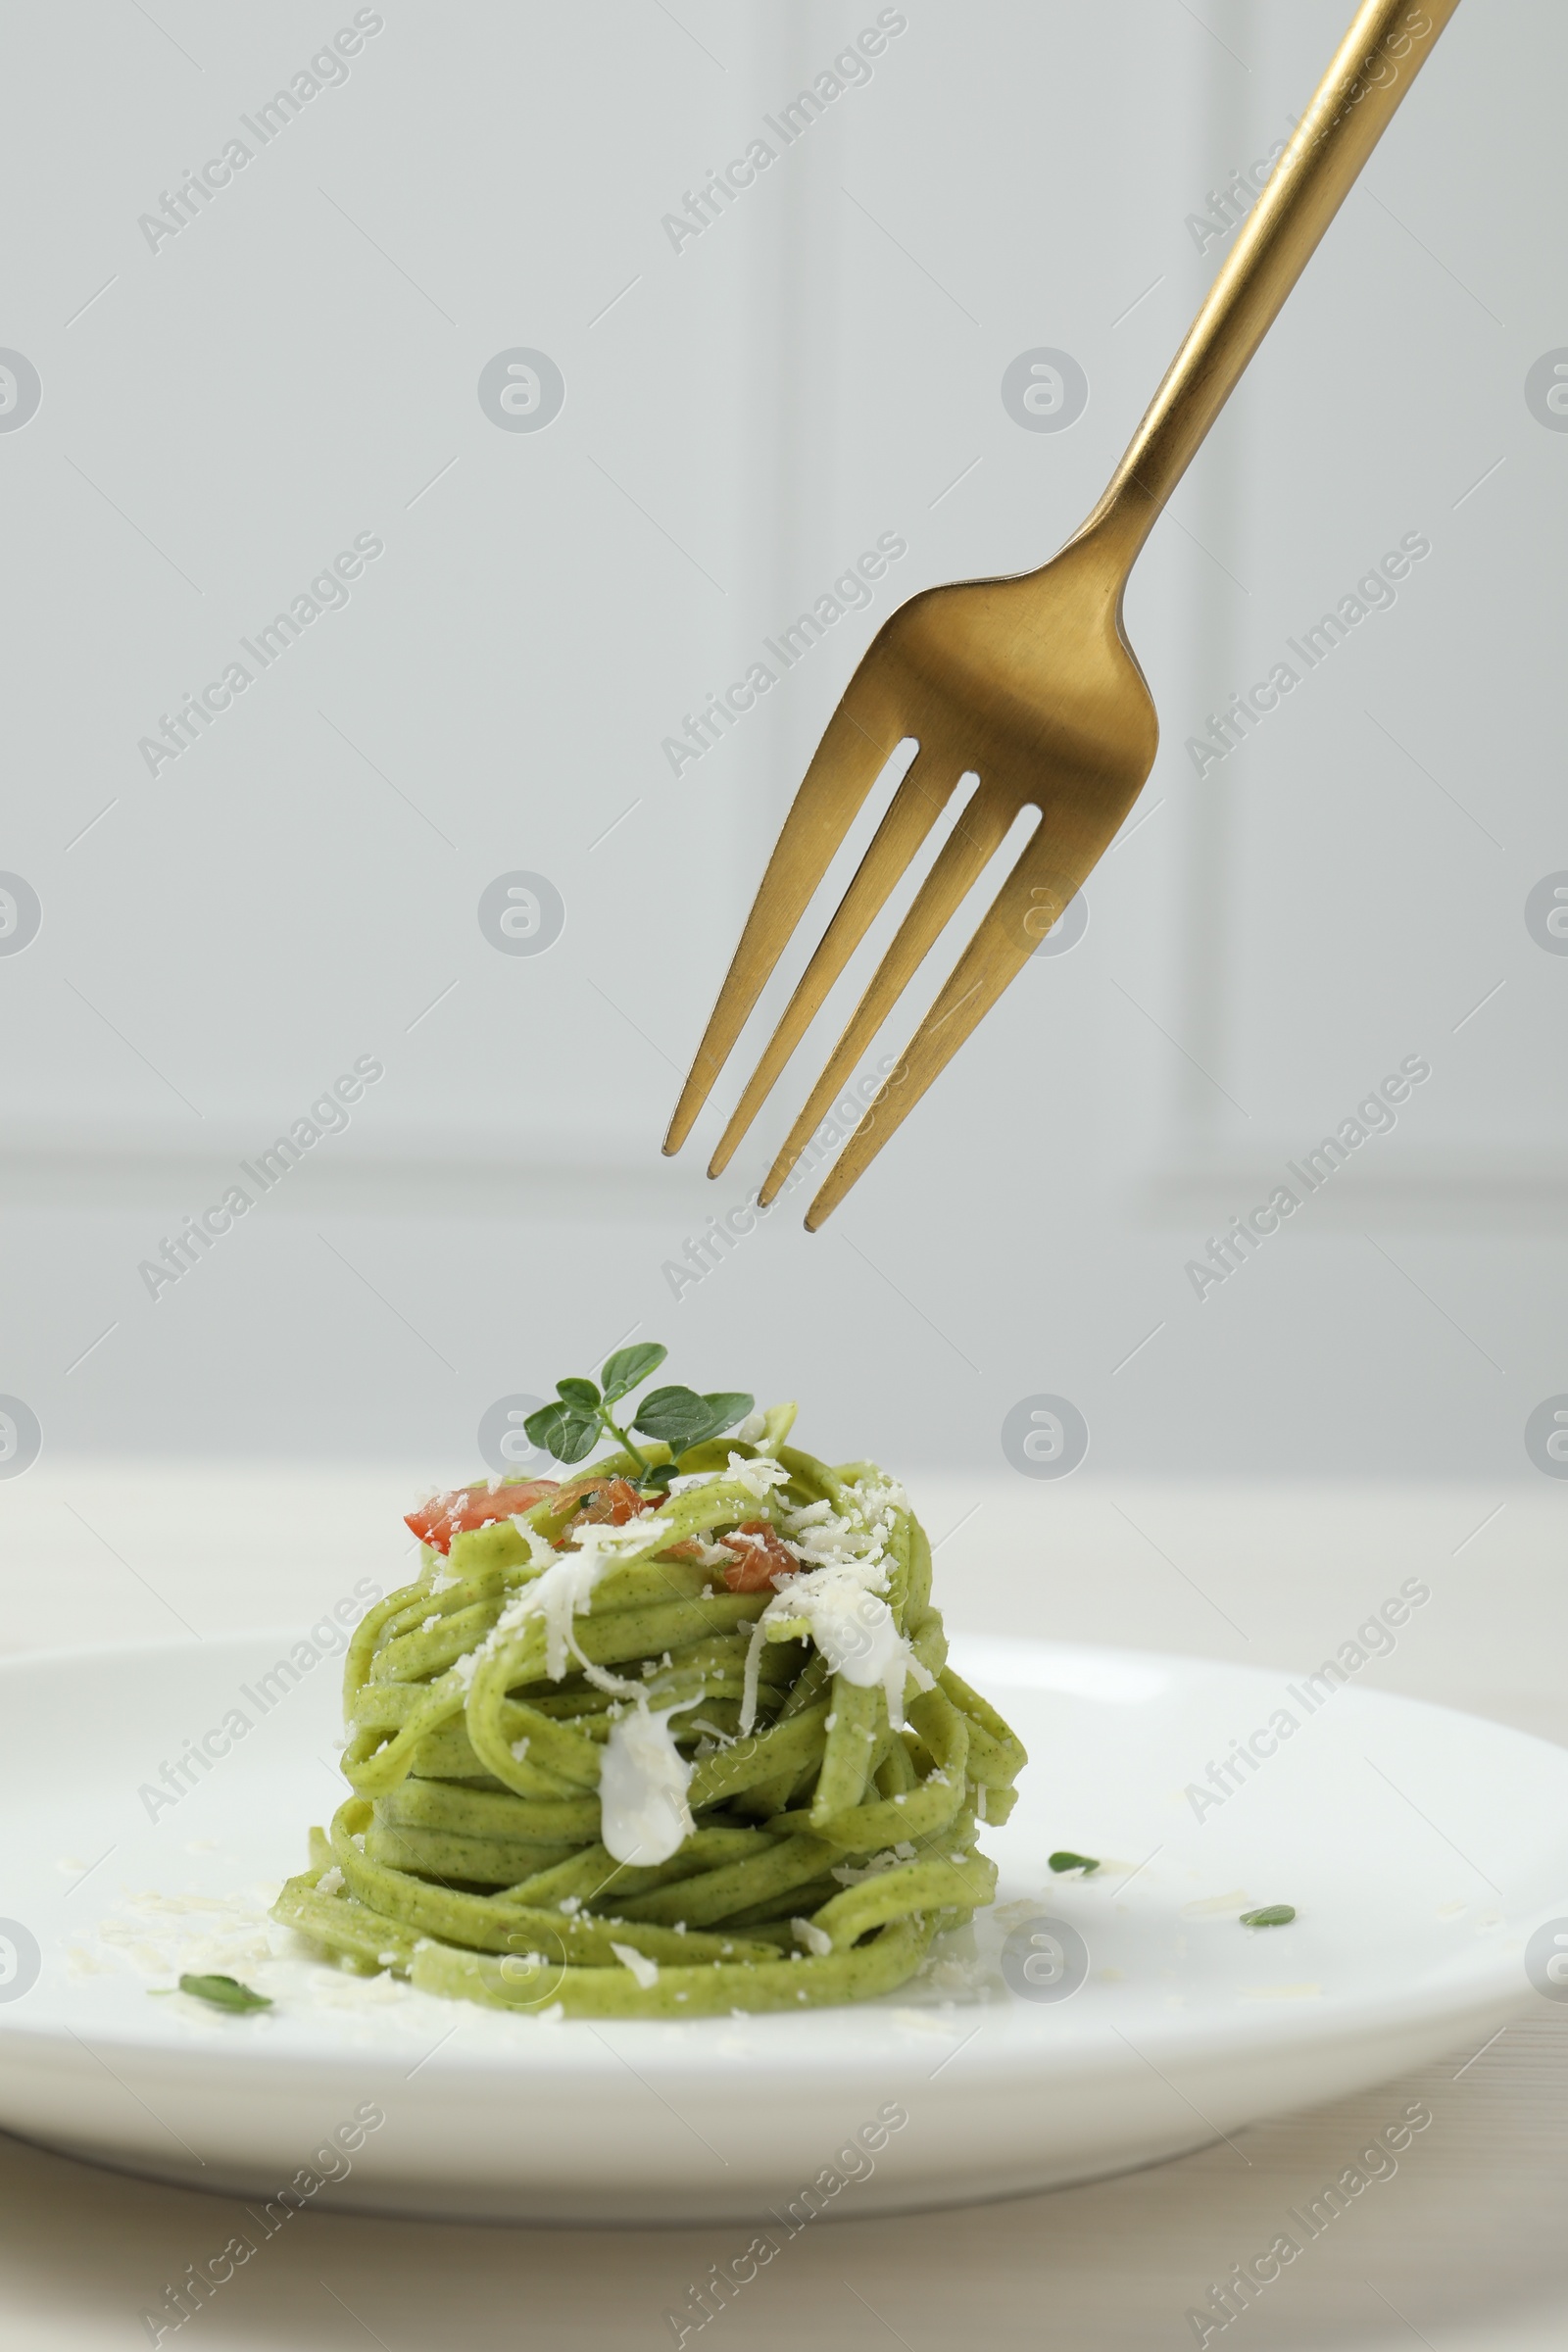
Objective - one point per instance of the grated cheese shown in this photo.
(643, 1780)
(645, 1971)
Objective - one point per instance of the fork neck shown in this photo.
(1379, 58)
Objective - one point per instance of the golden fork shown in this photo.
(1028, 684)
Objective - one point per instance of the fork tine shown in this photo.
(979, 833)
(856, 747)
(910, 815)
(1002, 946)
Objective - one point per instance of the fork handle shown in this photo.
(1373, 68)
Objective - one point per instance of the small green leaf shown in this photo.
(677, 1415)
(683, 1419)
(728, 1407)
(567, 1431)
(1065, 1861)
(224, 1992)
(629, 1368)
(658, 1480)
(578, 1392)
(1273, 1915)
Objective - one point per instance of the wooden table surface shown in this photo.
(1464, 2246)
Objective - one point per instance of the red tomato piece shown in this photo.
(601, 1499)
(444, 1516)
(762, 1557)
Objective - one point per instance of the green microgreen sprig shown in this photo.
(571, 1427)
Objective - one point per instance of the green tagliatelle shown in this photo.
(799, 1768)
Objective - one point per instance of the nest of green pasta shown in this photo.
(675, 1737)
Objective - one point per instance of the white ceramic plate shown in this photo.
(1421, 1849)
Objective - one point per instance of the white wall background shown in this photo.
(299, 365)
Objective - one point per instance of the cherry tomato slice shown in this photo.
(444, 1516)
(762, 1557)
(597, 1500)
